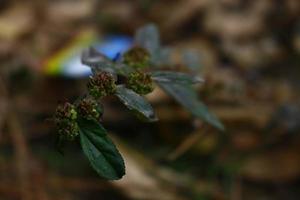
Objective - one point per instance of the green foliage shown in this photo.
(148, 38)
(126, 80)
(176, 84)
(187, 97)
(175, 77)
(138, 104)
(100, 150)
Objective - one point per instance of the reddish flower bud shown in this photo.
(101, 84)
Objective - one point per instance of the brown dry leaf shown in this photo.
(275, 165)
(232, 25)
(145, 180)
(182, 12)
(62, 11)
(15, 22)
(258, 114)
(245, 141)
(297, 43)
(206, 51)
(157, 96)
(207, 144)
(265, 51)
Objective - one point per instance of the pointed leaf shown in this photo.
(186, 96)
(100, 150)
(91, 56)
(97, 61)
(148, 38)
(136, 103)
(175, 77)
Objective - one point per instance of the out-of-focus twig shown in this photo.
(19, 143)
(188, 143)
(3, 105)
(21, 156)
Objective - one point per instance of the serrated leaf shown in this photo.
(136, 103)
(100, 150)
(175, 77)
(187, 97)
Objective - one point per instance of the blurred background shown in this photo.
(249, 55)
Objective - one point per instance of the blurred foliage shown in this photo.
(249, 58)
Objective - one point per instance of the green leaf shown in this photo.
(97, 61)
(186, 96)
(136, 103)
(148, 38)
(92, 57)
(163, 56)
(100, 150)
(175, 77)
(191, 59)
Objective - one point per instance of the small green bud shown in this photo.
(89, 109)
(69, 130)
(65, 119)
(137, 57)
(140, 82)
(73, 114)
(101, 84)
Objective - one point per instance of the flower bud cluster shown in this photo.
(140, 82)
(88, 108)
(137, 57)
(65, 119)
(101, 84)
